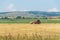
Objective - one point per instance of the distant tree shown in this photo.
(45, 17)
(23, 17)
(5, 18)
(2, 18)
(18, 17)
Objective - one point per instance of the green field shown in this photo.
(28, 20)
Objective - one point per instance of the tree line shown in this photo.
(22, 17)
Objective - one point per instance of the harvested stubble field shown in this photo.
(30, 31)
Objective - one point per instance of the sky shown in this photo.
(30, 5)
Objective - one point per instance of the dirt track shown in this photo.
(29, 28)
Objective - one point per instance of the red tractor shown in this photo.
(36, 22)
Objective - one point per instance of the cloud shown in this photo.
(11, 7)
(53, 10)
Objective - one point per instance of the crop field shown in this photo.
(46, 31)
(27, 21)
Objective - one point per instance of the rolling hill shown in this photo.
(30, 14)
